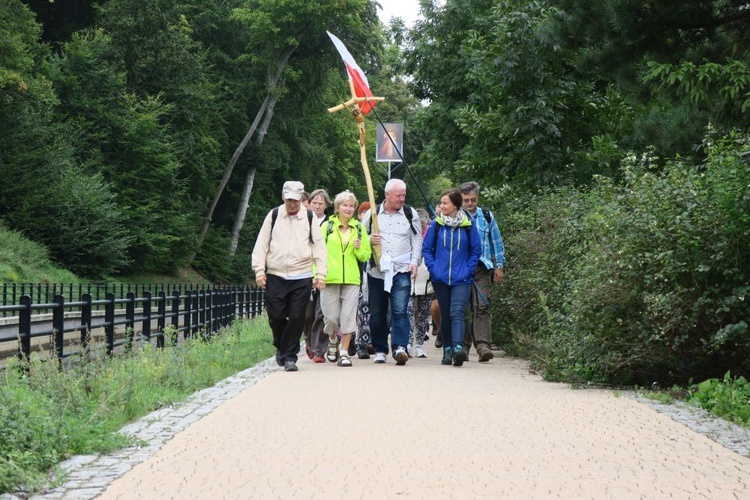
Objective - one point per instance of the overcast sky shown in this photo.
(408, 10)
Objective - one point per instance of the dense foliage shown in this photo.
(538, 93)
(120, 119)
(606, 135)
(634, 282)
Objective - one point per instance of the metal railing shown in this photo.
(143, 318)
(42, 293)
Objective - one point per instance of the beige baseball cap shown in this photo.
(293, 190)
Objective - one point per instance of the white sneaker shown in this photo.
(420, 352)
(400, 356)
(410, 350)
(380, 357)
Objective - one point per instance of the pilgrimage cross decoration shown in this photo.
(359, 105)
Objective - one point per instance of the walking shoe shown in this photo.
(459, 355)
(362, 353)
(290, 366)
(344, 360)
(400, 356)
(438, 341)
(309, 352)
(370, 349)
(410, 351)
(278, 358)
(380, 357)
(420, 352)
(352, 349)
(319, 359)
(485, 355)
(447, 356)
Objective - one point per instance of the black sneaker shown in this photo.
(278, 358)
(362, 353)
(459, 356)
(290, 366)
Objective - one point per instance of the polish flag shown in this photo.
(356, 75)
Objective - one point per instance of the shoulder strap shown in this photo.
(488, 218)
(329, 229)
(377, 209)
(409, 213)
(309, 222)
(275, 215)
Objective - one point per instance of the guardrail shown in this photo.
(144, 318)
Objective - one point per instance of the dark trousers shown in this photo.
(286, 304)
(315, 339)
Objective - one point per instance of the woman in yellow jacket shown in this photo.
(347, 245)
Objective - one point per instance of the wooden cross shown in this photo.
(353, 106)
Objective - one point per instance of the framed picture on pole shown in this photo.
(390, 141)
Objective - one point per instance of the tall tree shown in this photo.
(50, 198)
(125, 139)
(279, 32)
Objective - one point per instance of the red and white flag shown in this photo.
(356, 75)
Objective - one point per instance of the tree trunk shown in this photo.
(239, 220)
(273, 81)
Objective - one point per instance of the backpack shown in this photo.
(329, 230)
(467, 229)
(275, 215)
(407, 212)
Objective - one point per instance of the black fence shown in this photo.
(60, 321)
(43, 293)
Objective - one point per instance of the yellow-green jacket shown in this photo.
(343, 259)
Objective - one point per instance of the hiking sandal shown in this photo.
(333, 351)
(344, 361)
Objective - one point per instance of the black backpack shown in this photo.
(275, 215)
(407, 212)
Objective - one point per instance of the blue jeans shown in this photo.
(452, 301)
(398, 300)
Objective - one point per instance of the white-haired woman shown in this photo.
(347, 245)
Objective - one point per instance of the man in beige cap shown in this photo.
(287, 246)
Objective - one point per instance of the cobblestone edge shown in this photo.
(730, 435)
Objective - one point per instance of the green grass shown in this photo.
(48, 415)
(23, 261)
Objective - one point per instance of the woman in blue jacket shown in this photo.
(451, 250)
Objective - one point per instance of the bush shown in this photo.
(636, 282)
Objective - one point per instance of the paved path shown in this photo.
(419, 431)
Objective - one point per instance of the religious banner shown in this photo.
(389, 139)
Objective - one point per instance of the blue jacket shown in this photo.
(451, 254)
